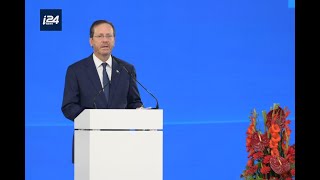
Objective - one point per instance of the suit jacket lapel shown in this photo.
(116, 71)
(93, 74)
(94, 78)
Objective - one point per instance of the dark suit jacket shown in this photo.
(83, 88)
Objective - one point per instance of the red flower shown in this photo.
(259, 142)
(277, 116)
(270, 155)
(279, 165)
(265, 170)
(252, 170)
(266, 159)
(257, 155)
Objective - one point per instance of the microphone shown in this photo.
(157, 105)
(94, 99)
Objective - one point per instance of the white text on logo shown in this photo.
(49, 20)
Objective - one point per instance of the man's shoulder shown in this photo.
(81, 62)
(122, 61)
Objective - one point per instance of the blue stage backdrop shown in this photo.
(208, 62)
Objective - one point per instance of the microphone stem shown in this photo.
(157, 106)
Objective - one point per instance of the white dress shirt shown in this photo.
(99, 67)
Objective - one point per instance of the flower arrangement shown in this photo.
(270, 155)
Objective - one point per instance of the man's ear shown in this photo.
(90, 42)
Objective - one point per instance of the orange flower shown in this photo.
(250, 163)
(275, 137)
(275, 128)
(248, 141)
(274, 152)
(287, 112)
(273, 144)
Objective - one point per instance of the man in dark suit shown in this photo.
(85, 86)
(100, 81)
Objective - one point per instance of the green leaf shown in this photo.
(249, 178)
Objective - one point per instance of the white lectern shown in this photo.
(118, 144)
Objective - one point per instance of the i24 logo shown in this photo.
(49, 20)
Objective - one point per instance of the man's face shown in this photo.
(102, 40)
